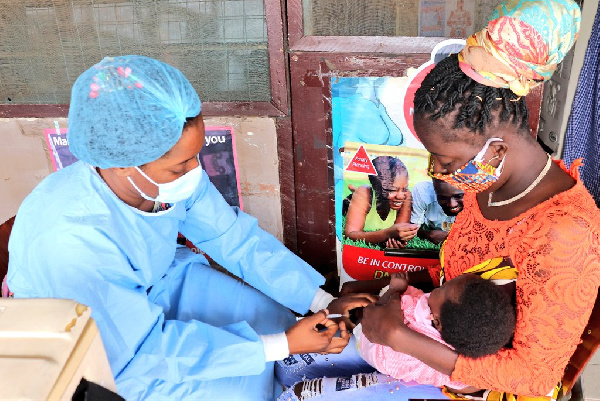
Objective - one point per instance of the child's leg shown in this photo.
(301, 367)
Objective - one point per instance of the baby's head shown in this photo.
(473, 315)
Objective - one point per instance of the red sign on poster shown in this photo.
(368, 264)
(361, 163)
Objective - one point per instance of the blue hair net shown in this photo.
(129, 110)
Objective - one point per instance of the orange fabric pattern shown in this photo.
(555, 247)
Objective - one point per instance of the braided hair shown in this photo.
(446, 88)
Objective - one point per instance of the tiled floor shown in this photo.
(591, 379)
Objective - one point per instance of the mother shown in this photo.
(472, 118)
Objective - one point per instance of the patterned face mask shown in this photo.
(475, 176)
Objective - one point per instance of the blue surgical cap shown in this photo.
(129, 110)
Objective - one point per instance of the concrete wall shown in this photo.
(25, 161)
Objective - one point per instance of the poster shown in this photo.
(447, 18)
(378, 163)
(432, 21)
(461, 16)
(60, 155)
(218, 158)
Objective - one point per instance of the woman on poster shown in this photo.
(379, 213)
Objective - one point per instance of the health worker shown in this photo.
(103, 231)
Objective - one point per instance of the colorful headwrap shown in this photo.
(127, 111)
(522, 44)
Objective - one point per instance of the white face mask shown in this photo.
(175, 191)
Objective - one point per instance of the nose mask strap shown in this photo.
(479, 157)
(145, 176)
(142, 194)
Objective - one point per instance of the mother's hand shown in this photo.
(344, 304)
(384, 324)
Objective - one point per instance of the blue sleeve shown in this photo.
(82, 264)
(233, 239)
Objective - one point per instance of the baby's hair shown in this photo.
(447, 88)
(481, 322)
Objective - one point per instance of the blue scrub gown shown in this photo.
(173, 327)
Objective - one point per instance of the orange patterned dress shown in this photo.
(555, 248)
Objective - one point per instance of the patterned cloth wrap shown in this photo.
(522, 44)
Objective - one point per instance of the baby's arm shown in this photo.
(397, 287)
(364, 286)
(399, 282)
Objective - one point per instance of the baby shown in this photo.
(470, 314)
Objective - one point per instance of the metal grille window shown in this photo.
(220, 45)
(439, 18)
